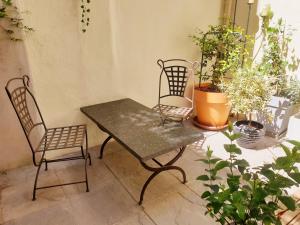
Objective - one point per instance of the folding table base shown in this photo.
(156, 170)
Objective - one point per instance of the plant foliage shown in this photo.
(278, 59)
(248, 90)
(222, 49)
(85, 14)
(250, 196)
(10, 21)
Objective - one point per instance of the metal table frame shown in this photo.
(156, 170)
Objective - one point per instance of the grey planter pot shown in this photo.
(281, 110)
(250, 136)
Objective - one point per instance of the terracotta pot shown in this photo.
(212, 109)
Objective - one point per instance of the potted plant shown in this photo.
(248, 92)
(221, 50)
(249, 195)
(278, 62)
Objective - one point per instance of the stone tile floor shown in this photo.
(115, 184)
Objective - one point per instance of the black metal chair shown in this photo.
(50, 139)
(178, 73)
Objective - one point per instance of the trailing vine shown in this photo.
(85, 14)
(11, 22)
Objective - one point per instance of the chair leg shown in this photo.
(87, 156)
(90, 159)
(36, 177)
(46, 165)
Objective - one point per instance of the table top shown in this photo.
(138, 128)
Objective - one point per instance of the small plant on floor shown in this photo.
(85, 12)
(250, 195)
(10, 21)
(248, 92)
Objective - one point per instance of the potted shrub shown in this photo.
(248, 92)
(222, 50)
(278, 62)
(250, 195)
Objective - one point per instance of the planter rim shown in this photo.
(259, 125)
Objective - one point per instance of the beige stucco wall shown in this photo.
(149, 30)
(115, 58)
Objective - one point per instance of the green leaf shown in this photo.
(238, 197)
(259, 195)
(232, 137)
(283, 162)
(203, 160)
(232, 148)
(215, 188)
(294, 142)
(203, 178)
(286, 150)
(205, 194)
(283, 182)
(233, 182)
(241, 211)
(247, 176)
(295, 176)
(221, 165)
(288, 202)
(230, 127)
(268, 173)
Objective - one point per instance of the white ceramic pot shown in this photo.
(250, 134)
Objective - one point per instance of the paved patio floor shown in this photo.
(115, 184)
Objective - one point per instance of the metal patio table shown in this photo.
(139, 129)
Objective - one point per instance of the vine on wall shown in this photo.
(11, 22)
(85, 14)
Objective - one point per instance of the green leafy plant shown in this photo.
(249, 196)
(10, 20)
(278, 60)
(248, 91)
(85, 14)
(222, 49)
(292, 91)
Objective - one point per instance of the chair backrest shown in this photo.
(178, 73)
(20, 96)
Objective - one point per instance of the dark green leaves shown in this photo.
(232, 148)
(288, 202)
(221, 165)
(250, 196)
(203, 178)
(232, 137)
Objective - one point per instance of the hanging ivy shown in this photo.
(11, 22)
(85, 14)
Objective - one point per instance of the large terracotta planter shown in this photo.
(212, 109)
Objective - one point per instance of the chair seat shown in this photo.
(173, 111)
(62, 137)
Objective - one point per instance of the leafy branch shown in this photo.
(11, 22)
(85, 14)
(250, 195)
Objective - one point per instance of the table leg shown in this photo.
(158, 170)
(103, 145)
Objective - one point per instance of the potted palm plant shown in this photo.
(250, 195)
(248, 92)
(221, 51)
(279, 62)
